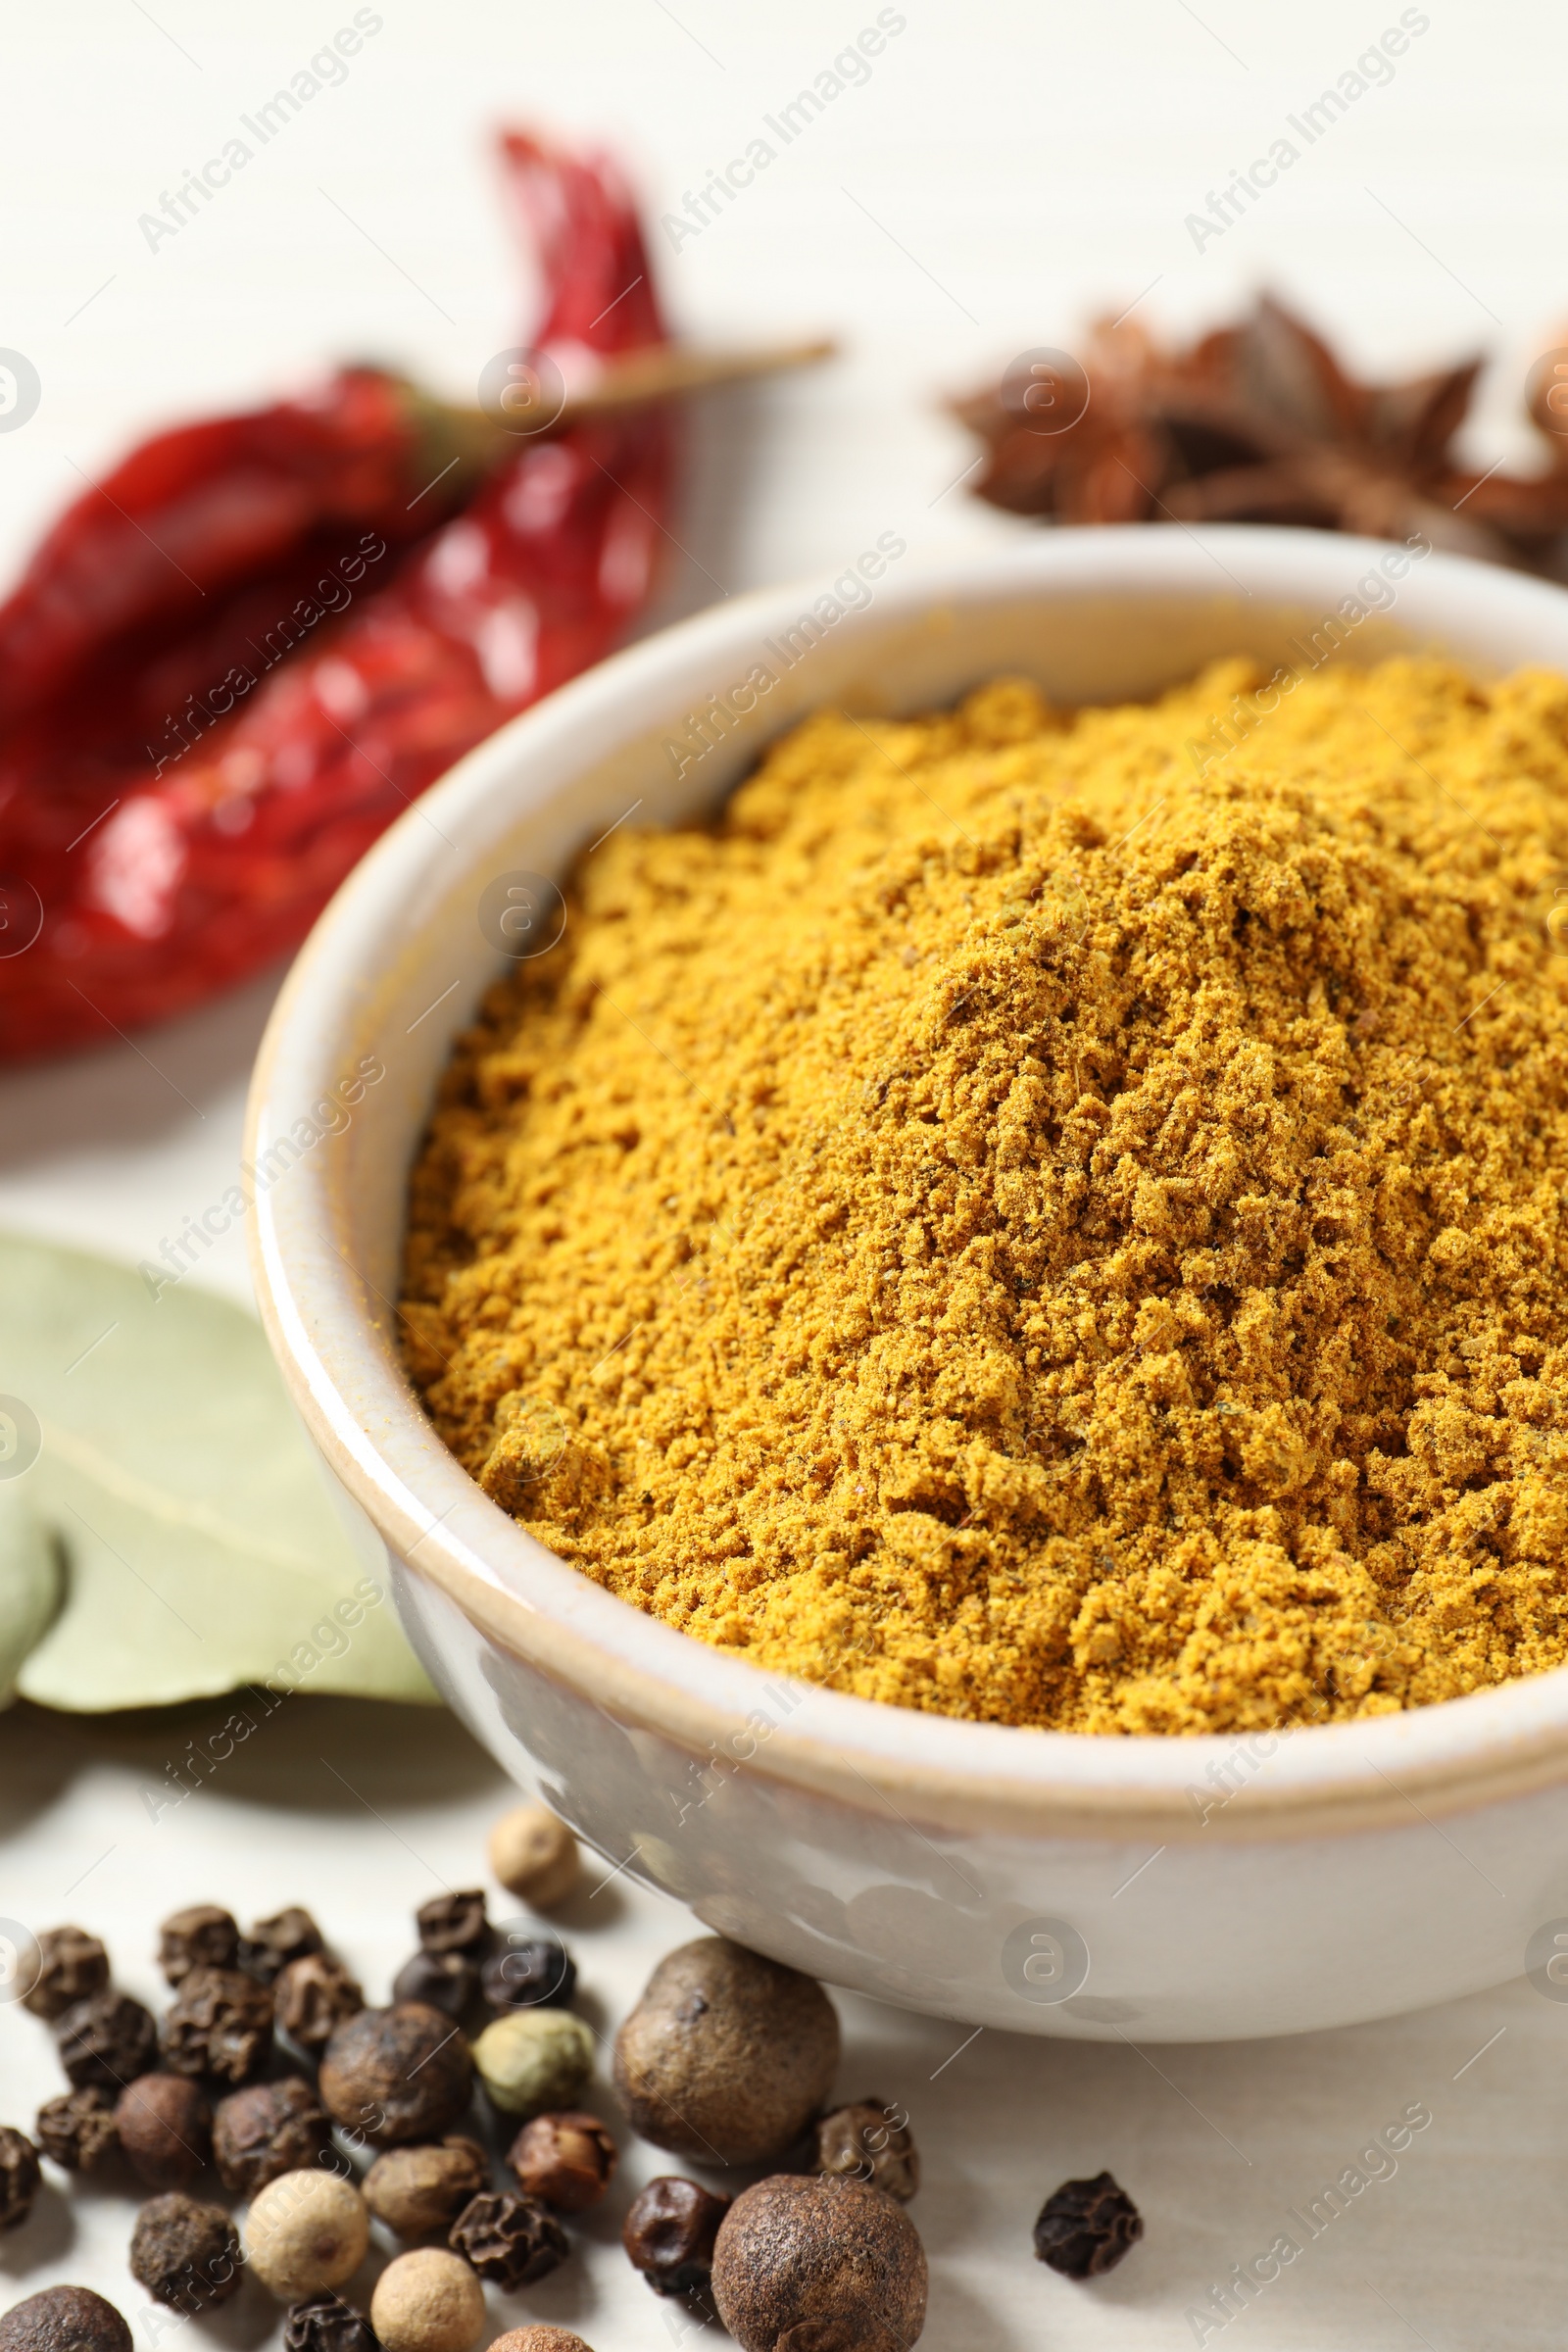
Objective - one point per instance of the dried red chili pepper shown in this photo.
(168, 874)
(156, 547)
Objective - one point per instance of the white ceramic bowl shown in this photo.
(1167, 1889)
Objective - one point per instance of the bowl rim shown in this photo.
(960, 1775)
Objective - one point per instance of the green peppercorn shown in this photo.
(534, 2060)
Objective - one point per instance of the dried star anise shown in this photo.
(1259, 423)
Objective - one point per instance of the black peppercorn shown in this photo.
(454, 1923)
(106, 2041)
(313, 1997)
(20, 2176)
(1086, 2228)
(204, 1936)
(443, 1980)
(669, 2234)
(266, 2130)
(64, 2318)
(508, 2239)
(325, 2322)
(72, 1965)
(78, 2131)
(185, 2253)
(219, 2024)
(165, 2129)
(397, 2073)
(273, 1942)
(866, 2141)
(834, 2265)
(534, 1971)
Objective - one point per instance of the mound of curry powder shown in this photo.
(1036, 1217)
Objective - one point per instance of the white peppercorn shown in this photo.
(305, 2231)
(427, 2301)
(534, 1854)
(539, 2339)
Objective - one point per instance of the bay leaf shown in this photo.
(31, 1582)
(200, 1548)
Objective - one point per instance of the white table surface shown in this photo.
(1007, 170)
(1461, 2247)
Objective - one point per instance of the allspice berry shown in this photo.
(534, 1854)
(567, 2159)
(727, 2056)
(837, 2260)
(866, 2141)
(313, 1997)
(78, 2131)
(204, 1935)
(20, 2176)
(185, 2253)
(266, 2130)
(397, 2073)
(72, 1965)
(305, 2231)
(429, 2301)
(534, 2059)
(64, 2318)
(165, 2129)
(421, 2191)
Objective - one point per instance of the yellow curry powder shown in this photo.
(1009, 1224)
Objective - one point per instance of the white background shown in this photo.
(1008, 170)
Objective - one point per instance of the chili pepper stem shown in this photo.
(667, 370)
(472, 440)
